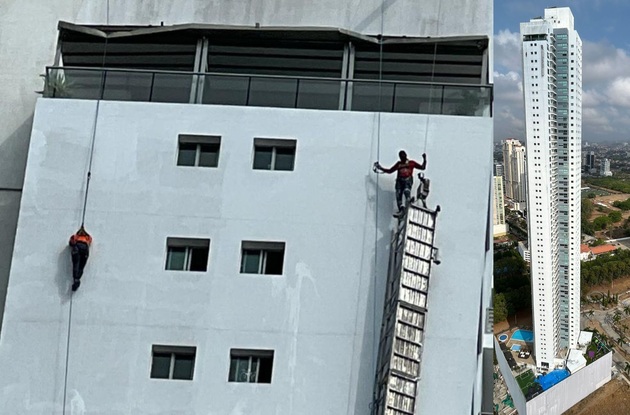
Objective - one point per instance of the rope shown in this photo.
(426, 125)
(85, 198)
(375, 344)
(65, 378)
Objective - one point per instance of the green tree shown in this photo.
(591, 195)
(601, 223)
(615, 216)
(500, 307)
(587, 209)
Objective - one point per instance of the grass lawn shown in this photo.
(525, 380)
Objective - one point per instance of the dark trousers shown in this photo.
(80, 254)
(403, 187)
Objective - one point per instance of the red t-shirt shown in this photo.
(405, 169)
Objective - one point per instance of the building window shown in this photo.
(173, 362)
(262, 257)
(187, 254)
(250, 366)
(274, 154)
(198, 150)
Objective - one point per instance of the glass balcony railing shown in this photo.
(268, 91)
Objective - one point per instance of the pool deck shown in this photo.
(524, 345)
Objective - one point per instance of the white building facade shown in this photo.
(604, 168)
(241, 239)
(552, 74)
(515, 162)
(498, 208)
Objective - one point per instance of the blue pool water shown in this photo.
(523, 335)
(516, 348)
(552, 378)
(503, 337)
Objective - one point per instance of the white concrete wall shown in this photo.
(515, 391)
(564, 395)
(28, 36)
(319, 316)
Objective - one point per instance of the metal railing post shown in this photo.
(249, 88)
(103, 78)
(151, 88)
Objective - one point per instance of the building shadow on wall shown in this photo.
(63, 275)
(376, 247)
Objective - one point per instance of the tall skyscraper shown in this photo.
(552, 80)
(515, 168)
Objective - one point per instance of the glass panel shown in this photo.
(253, 371)
(285, 158)
(74, 83)
(273, 92)
(171, 88)
(176, 258)
(127, 86)
(262, 158)
(225, 90)
(251, 261)
(199, 259)
(265, 369)
(365, 96)
(239, 369)
(161, 365)
(209, 155)
(417, 99)
(460, 100)
(184, 367)
(273, 263)
(186, 155)
(318, 94)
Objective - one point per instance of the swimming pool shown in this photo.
(516, 348)
(552, 378)
(503, 337)
(523, 335)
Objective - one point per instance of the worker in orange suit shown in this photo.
(80, 245)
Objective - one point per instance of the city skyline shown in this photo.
(606, 86)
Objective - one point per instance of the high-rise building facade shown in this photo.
(515, 167)
(498, 207)
(604, 168)
(552, 79)
(242, 242)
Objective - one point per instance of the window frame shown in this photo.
(263, 247)
(250, 356)
(274, 144)
(174, 352)
(199, 141)
(189, 245)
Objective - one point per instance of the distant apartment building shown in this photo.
(604, 168)
(515, 173)
(589, 161)
(499, 226)
(498, 169)
(523, 249)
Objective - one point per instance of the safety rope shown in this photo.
(426, 125)
(84, 209)
(375, 404)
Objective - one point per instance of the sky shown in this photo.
(604, 28)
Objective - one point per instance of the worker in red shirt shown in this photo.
(404, 178)
(80, 247)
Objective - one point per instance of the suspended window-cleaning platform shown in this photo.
(287, 67)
